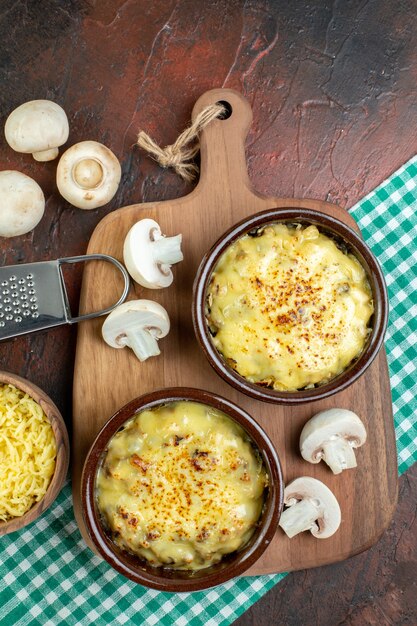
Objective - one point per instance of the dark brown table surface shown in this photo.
(332, 86)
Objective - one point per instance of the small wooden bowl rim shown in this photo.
(174, 580)
(62, 456)
(361, 251)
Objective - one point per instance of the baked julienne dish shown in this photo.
(288, 307)
(181, 485)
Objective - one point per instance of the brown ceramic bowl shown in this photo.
(340, 233)
(164, 579)
(62, 455)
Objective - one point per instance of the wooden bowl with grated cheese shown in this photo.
(33, 460)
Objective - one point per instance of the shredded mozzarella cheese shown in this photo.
(27, 452)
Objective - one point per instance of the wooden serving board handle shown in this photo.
(105, 379)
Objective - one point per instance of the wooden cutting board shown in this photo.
(105, 378)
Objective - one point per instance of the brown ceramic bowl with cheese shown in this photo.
(181, 490)
(290, 306)
(34, 473)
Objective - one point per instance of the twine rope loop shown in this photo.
(180, 154)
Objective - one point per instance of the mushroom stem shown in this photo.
(167, 250)
(339, 455)
(299, 517)
(143, 344)
(46, 155)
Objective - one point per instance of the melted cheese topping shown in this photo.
(27, 452)
(181, 485)
(287, 308)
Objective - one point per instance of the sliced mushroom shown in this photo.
(137, 324)
(38, 127)
(311, 506)
(333, 435)
(22, 203)
(148, 254)
(88, 175)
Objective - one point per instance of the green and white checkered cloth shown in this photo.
(49, 577)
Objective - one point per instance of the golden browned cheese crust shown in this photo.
(288, 308)
(181, 485)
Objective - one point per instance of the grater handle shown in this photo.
(93, 257)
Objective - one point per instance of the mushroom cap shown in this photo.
(22, 203)
(305, 487)
(326, 426)
(88, 175)
(139, 259)
(36, 126)
(135, 314)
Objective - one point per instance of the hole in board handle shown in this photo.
(228, 112)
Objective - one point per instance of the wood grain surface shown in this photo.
(105, 379)
(332, 89)
(375, 588)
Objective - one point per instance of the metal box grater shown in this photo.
(33, 296)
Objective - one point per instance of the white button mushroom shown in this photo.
(88, 175)
(332, 436)
(137, 324)
(311, 506)
(22, 203)
(148, 255)
(37, 127)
